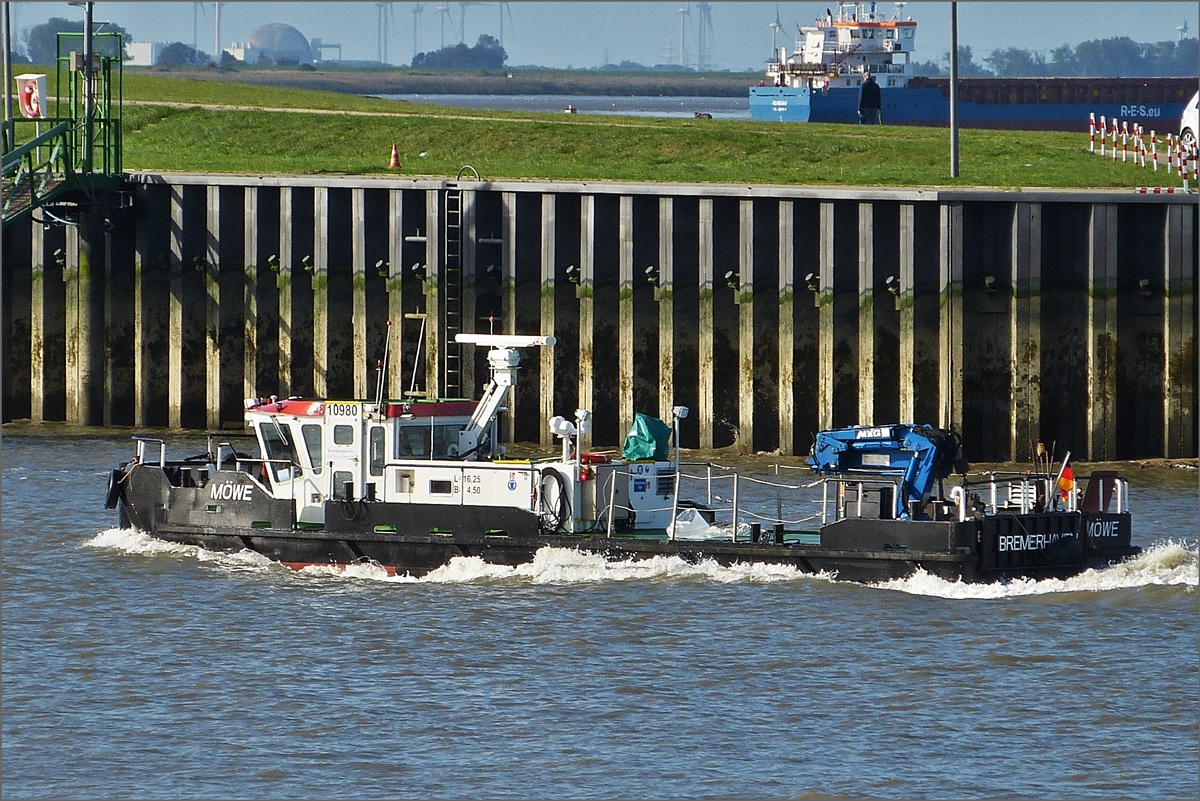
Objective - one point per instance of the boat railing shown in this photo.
(141, 450)
(715, 502)
(1034, 492)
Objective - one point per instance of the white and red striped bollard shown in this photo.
(1154, 149)
(1124, 141)
(1103, 133)
(1114, 140)
(1092, 132)
(1170, 151)
(1142, 146)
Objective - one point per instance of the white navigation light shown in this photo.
(561, 427)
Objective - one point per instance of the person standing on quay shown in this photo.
(869, 102)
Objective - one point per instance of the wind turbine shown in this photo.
(462, 20)
(386, 19)
(217, 49)
(444, 12)
(706, 40)
(417, 10)
(775, 26)
(506, 6)
(685, 16)
(196, 24)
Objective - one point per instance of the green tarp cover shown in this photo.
(650, 438)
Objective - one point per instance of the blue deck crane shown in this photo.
(918, 455)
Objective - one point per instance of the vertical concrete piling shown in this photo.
(320, 291)
(546, 306)
(866, 313)
(625, 335)
(706, 395)
(951, 329)
(1102, 333)
(787, 327)
(825, 303)
(1179, 331)
(37, 323)
(433, 293)
(508, 301)
(1021, 318)
(358, 284)
(585, 291)
(250, 292)
(283, 284)
(212, 310)
(1026, 328)
(395, 282)
(664, 294)
(745, 307)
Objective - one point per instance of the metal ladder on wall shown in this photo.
(452, 289)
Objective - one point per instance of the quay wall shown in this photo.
(771, 311)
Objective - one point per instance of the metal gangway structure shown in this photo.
(64, 150)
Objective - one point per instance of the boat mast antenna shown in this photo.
(383, 366)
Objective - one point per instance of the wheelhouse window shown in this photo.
(424, 440)
(278, 445)
(377, 450)
(313, 437)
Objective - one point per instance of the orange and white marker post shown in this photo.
(1114, 140)
(1103, 131)
(1154, 149)
(1092, 132)
(1124, 141)
(1170, 151)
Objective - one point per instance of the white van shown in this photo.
(1188, 125)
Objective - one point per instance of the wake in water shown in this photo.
(549, 565)
(1168, 563)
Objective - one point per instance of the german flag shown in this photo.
(1066, 482)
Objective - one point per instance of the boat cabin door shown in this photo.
(344, 450)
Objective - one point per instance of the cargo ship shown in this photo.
(819, 81)
(411, 484)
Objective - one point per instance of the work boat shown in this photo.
(409, 485)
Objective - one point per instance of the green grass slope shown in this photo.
(264, 130)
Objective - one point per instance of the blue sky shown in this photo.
(581, 34)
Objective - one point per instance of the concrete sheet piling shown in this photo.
(770, 311)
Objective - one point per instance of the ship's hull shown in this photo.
(415, 539)
(929, 106)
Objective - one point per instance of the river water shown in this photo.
(725, 108)
(133, 668)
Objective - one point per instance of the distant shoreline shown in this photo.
(493, 82)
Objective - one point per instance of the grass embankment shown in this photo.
(397, 81)
(251, 135)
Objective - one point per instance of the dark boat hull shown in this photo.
(416, 539)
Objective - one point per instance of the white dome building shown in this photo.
(280, 43)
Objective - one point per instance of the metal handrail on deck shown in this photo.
(24, 168)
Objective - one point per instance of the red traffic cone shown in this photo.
(395, 162)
